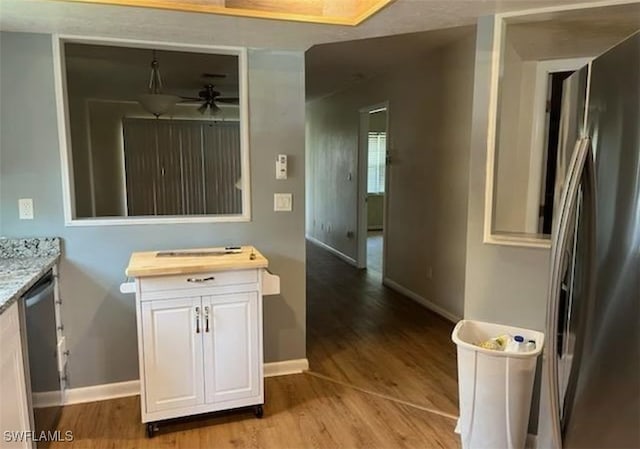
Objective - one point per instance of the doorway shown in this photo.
(373, 195)
(552, 139)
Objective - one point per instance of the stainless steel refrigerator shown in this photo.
(592, 363)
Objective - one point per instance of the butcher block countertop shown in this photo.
(188, 261)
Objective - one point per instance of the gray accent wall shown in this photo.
(99, 321)
(430, 100)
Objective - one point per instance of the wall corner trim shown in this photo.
(393, 285)
(332, 250)
(286, 367)
(132, 387)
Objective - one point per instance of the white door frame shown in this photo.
(363, 158)
(537, 160)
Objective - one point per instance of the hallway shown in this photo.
(365, 335)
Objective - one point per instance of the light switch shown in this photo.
(282, 202)
(25, 209)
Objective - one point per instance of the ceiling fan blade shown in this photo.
(203, 108)
(187, 99)
(214, 75)
(228, 100)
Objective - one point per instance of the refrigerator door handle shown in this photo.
(559, 241)
(588, 222)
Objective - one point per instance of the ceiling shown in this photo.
(572, 34)
(337, 66)
(336, 12)
(401, 16)
(122, 73)
(588, 32)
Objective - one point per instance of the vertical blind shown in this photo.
(376, 165)
(182, 167)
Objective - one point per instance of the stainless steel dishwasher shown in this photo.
(42, 344)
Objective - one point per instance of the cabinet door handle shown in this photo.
(206, 318)
(198, 280)
(197, 320)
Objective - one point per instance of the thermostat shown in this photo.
(281, 166)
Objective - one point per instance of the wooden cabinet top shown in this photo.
(201, 260)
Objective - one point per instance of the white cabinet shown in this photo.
(15, 415)
(231, 347)
(172, 348)
(200, 343)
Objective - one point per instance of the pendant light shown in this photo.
(155, 102)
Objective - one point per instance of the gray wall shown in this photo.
(99, 321)
(503, 284)
(429, 110)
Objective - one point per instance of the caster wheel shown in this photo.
(151, 430)
(258, 411)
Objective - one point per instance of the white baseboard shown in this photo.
(332, 250)
(295, 366)
(421, 300)
(102, 392)
(45, 399)
(132, 387)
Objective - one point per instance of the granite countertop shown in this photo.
(22, 263)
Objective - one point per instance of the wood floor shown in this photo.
(382, 376)
(365, 334)
(302, 412)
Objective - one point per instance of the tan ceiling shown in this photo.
(335, 12)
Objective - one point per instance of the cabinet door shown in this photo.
(232, 347)
(172, 345)
(14, 409)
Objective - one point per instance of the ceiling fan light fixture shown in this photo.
(209, 107)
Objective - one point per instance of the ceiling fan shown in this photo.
(210, 97)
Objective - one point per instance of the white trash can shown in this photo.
(495, 387)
